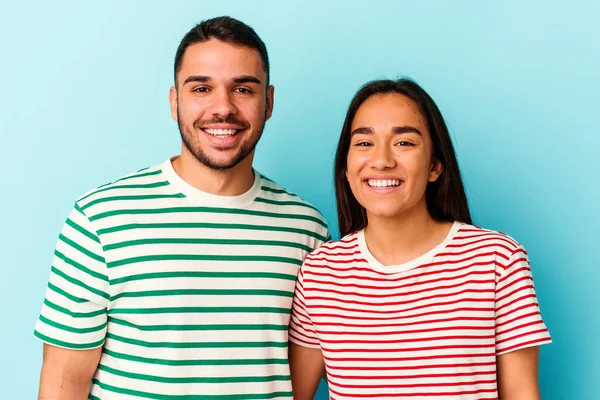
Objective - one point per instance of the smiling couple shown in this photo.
(200, 278)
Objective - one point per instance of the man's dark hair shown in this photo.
(225, 29)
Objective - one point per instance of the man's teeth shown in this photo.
(221, 132)
(383, 183)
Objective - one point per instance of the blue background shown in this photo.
(84, 100)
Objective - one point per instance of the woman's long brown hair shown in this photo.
(446, 199)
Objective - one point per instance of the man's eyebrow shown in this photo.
(197, 78)
(237, 79)
(367, 130)
(246, 79)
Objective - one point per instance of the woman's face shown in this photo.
(390, 159)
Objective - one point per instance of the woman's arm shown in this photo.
(307, 368)
(518, 374)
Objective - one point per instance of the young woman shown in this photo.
(413, 302)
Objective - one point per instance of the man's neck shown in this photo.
(397, 240)
(231, 182)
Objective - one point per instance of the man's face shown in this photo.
(221, 102)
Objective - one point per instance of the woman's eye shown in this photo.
(362, 144)
(404, 143)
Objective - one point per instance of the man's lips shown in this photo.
(221, 131)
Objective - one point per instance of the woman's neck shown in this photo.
(403, 238)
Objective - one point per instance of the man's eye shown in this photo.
(243, 90)
(201, 89)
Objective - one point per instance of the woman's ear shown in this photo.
(435, 170)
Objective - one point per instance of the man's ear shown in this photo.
(270, 102)
(173, 102)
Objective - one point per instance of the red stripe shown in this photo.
(397, 279)
(406, 302)
(431, 321)
(508, 339)
(411, 340)
(372, 317)
(410, 349)
(527, 289)
(413, 385)
(402, 359)
(528, 296)
(485, 239)
(537, 322)
(369, 332)
(420, 376)
(426, 394)
(523, 316)
(377, 311)
(362, 367)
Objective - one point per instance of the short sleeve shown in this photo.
(302, 331)
(74, 314)
(518, 321)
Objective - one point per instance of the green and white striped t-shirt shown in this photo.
(188, 292)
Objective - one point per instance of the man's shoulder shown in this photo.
(274, 194)
(130, 186)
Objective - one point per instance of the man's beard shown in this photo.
(187, 134)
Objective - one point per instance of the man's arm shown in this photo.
(518, 374)
(67, 374)
(307, 368)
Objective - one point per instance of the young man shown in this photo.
(177, 281)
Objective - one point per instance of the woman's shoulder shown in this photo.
(469, 235)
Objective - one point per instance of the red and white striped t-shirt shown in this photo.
(430, 328)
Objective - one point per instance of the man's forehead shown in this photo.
(221, 56)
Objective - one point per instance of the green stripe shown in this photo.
(164, 379)
(182, 310)
(201, 257)
(92, 397)
(203, 362)
(66, 294)
(138, 186)
(213, 210)
(204, 292)
(68, 345)
(70, 328)
(80, 267)
(73, 313)
(196, 345)
(79, 283)
(242, 242)
(131, 198)
(125, 178)
(82, 249)
(199, 327)
(208, 225)
(285, 203)
(82, 230)
(147, 395)
(203, 274)
(278, 191)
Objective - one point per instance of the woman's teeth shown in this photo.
(221, 132)
(383, 183)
